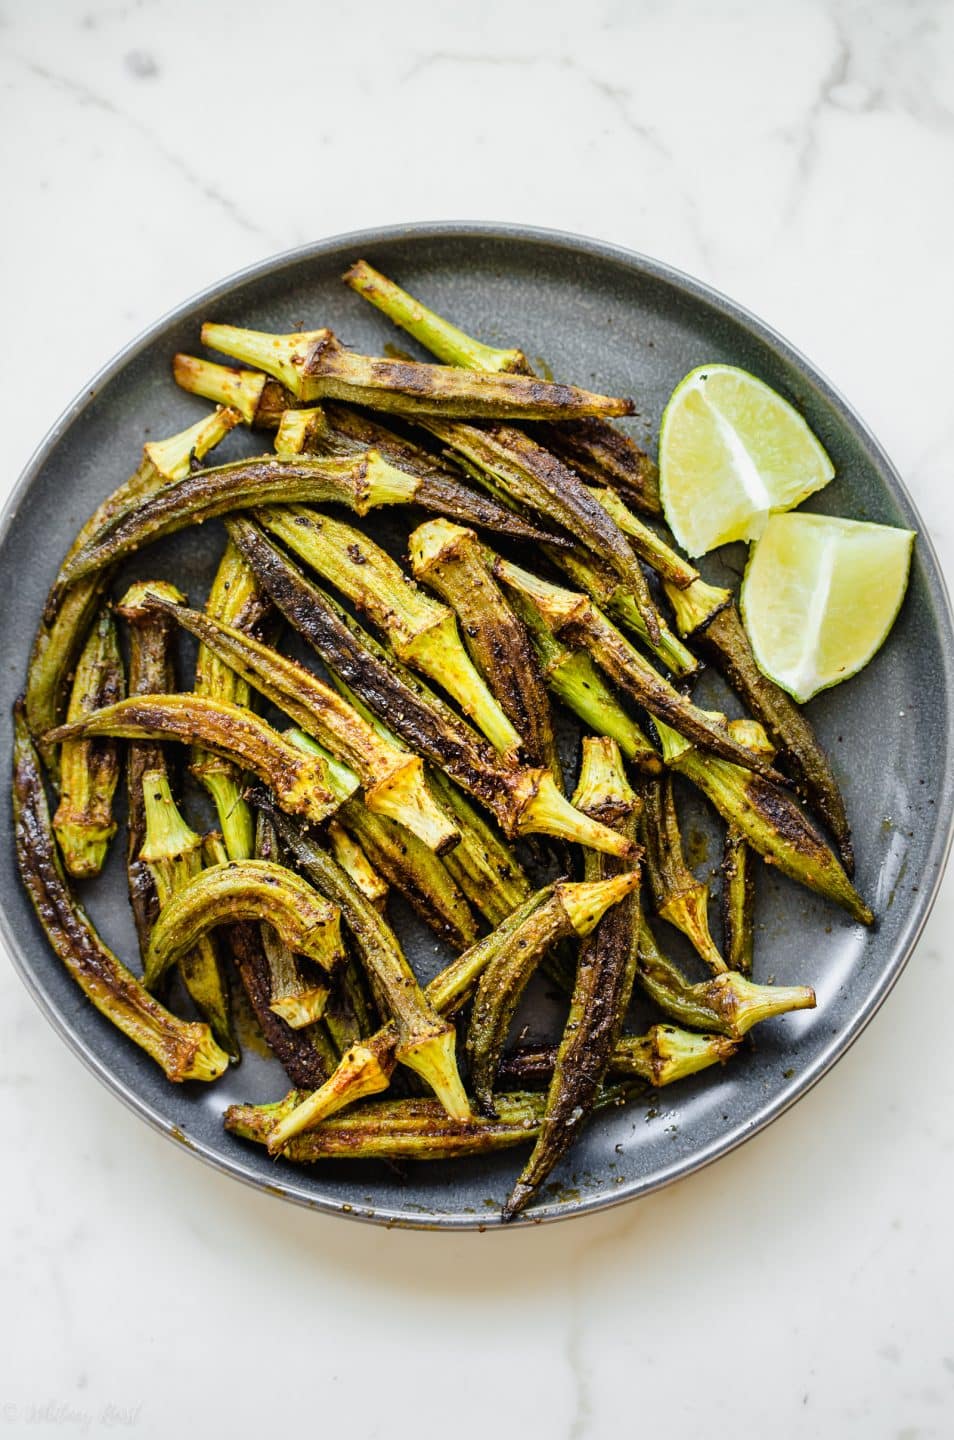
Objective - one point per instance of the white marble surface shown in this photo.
(797, 156)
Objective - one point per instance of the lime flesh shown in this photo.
(820, 595)
(732, 452)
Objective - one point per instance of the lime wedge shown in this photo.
(732, 451)
(820, 595)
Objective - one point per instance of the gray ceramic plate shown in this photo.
(626, 325)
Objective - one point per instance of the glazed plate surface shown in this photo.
(615, 322)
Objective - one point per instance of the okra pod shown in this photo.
(584, 625)
(300, 781)
(665, 1054)
(504, 980)
(89, 769)
(604, 979)
(431, 330)
(591, 446)
(738, 901)
(306, 1055)
(337, 430)
(355, 863)
(151, 672)
(235, 599)
(544, 918)
(728, 1003)
(449, 559)
(246, 890)
(414, 1129)
(68, 616)
(771, 820)
(426, 1043)
(334, 430)
(173, 853)
(260, 400)
(392, 777)
(483, 865)
(724, 640)
(421, 878)
(648, 544)
(314, 366)
(677, 895)
(360, 483)
(184, 1051)
(523, 800)
(604, 589)
(422, 632)
(298, 999)
(416, 873)
(575, 680)
(534, 478)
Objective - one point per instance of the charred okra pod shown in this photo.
(300, 781)
(335, 430)
(694, 602)
(416, 873)
(738, 901)
(592, 447)
(422, 632)
(173, 853)
(450, 560)
(184, 1051)
(604, 979)
(724, 640)
(505, 978)
(534, 478)
(544, 918)
(392, 777)
(677, 895)
(415, 1129)
(297, 999)
(575, 680)
(575, 616)
(421, 879)
(426, 1043)
(89, 769)
(483, 865)
(314, 366)
(662, 1056)
(246, 890)
(151, 672)
(770, 819)
(728, 1003)
(523, 800)
(307, 1055)
(235, 599)
(67, 617)
(604, 589)
(649, 546)
(360, 483)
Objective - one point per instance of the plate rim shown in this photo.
(938, 853)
